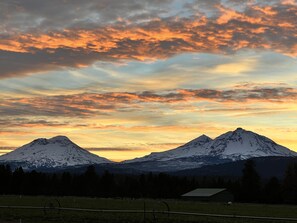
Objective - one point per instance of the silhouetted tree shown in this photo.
(65, 186)
(90, 179)
(160, 185)
(272, 191)
(250, 183)
(5, 176)
(107, 184)
(290, 184)
(17, 181)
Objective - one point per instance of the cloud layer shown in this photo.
(88, 104)
(97, 31)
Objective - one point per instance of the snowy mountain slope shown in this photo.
(187, 150)
(51, 153)
(231, 146)
(242, 144)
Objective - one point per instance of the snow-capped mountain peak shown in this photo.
(63, 140)
(233, 145)
(58, 151)
(243, 144)
(60, 139)
(199, 141)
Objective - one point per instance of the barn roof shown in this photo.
(203, 192)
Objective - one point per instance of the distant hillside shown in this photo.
(266, 167)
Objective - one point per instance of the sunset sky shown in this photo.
(128, 77)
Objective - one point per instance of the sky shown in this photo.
(127, 78)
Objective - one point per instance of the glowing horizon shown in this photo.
(118, 152)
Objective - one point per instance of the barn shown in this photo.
(209, 194)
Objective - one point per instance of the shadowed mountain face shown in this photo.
(51, 153)
(267, 167)
(231, 146)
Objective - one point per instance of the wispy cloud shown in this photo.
(87, 104)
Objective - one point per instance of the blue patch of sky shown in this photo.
(191, 70)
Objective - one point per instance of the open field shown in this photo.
(54, 215)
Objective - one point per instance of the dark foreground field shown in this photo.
(45, 209)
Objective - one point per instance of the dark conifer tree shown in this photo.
(107, 184)
(65, 187)
(272, 191)
(5, 176)
(290, 184)
(250, 183)
(90, 179)
(17, 181)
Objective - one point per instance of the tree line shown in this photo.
(248, 188)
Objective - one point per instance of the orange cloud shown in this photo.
(257, 27)
(88, 104)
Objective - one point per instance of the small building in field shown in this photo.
(209, 195)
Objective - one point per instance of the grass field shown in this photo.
(67, 216)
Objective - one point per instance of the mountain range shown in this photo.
(228, 147)
(61, 152)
